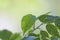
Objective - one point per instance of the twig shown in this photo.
(37, 27)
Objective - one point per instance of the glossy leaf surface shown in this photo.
(52, 30)
(46, 18)
(27, 22)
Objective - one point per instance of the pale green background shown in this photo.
(11, 11)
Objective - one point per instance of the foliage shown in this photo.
(7, 35)
(28, 28)
(27, 22)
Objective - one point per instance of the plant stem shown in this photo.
(37, 27)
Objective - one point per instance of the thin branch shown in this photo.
(38, 26)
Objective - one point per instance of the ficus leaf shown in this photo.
(54, 38)
(44, 35)
(33, 34)
(45, 18)
(15, 36)
(57, 23)
(52, 30)
(37, 38)
(5, 34)
(27, 22)
(19, 38)
(0, 34)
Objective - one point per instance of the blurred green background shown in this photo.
(12, 11)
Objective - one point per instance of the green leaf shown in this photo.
(27, 22)
(37, 38)
(57, 23)
(45, 18)
(18, 38)
(52, 30)
(0, 34)
(5, 34)
(15, 36)
(44, 35)
(45, 39)
(54, 38)
(33, 34)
